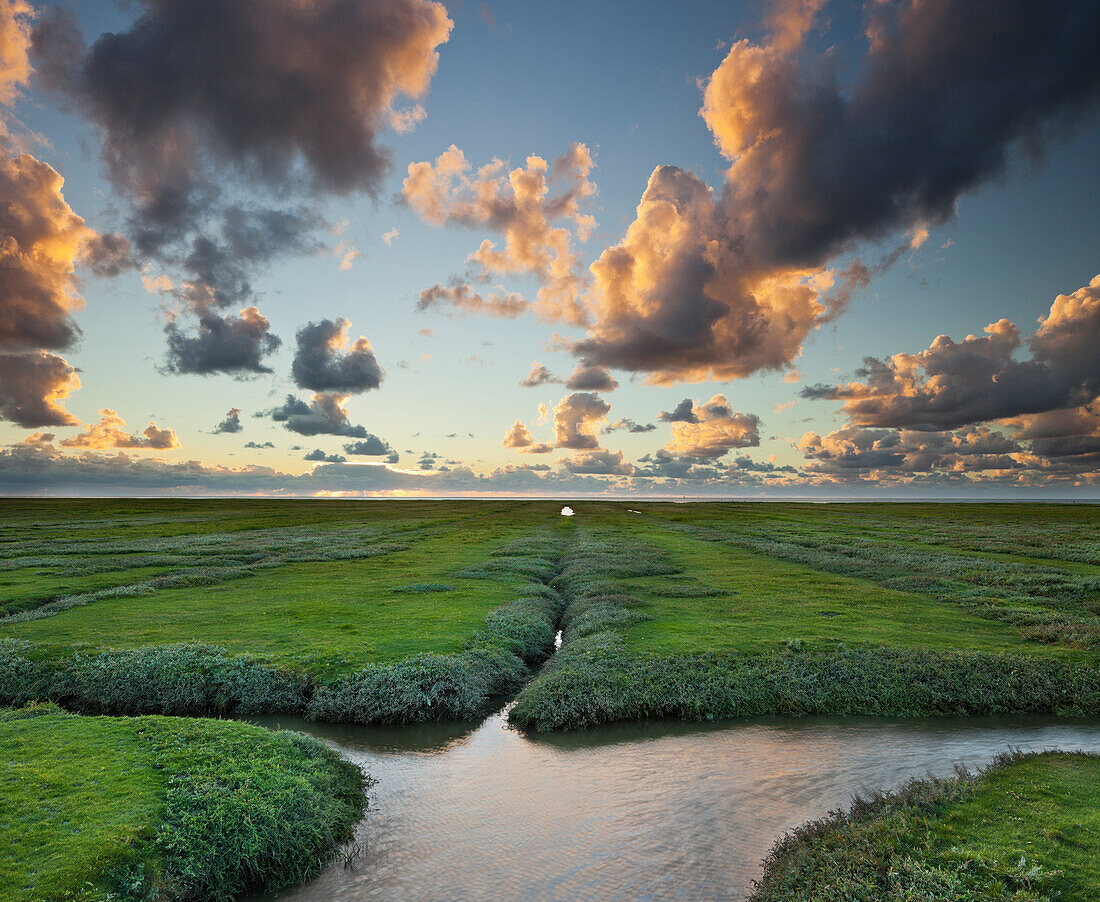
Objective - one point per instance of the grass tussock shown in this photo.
(1021, 831)
(167, 809)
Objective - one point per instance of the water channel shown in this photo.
(641, 811)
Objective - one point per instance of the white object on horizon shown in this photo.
(567, 511)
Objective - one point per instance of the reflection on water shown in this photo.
(640, 811)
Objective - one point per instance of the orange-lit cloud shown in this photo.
(464, 299)
(519, 438)
(577, 420)
(523, 204)
(110, 432)
(712, 430)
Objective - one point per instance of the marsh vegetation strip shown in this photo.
(1025, 829)
(95, 808)
(635, 811)
(404, 611)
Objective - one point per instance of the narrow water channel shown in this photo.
(650, 811)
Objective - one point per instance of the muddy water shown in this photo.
(655, 811)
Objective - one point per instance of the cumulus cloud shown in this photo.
(629, 425)
(684, 412)
(519, 438)
(327, 361)
(319, 456)
(719, 285)
(222, 344)
(231, 423)
(577, 420)
(979, 379)
(712, 430)
(599, 462)
(371, 446)
(16, 18)
(110, 432)
(325, 414)
(197, 95)
(196, 84)
(259, 446)
(32, 388)
(539, 375)
(855, 451)
(522, 204)
(40, 240)
(464, 299)
(591, 378)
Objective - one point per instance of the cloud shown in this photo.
(979, 379)
(264, 87)
(320, 365)
(202, 102)
(16, 18)
(32, 387)
(317, 455)
(577, 419)
(599, 462)
(40, 240)
(855, 451)
(464, 299)
(629, 425)
(519, 438)
(684, 412)
(110, 432)
(539, 375)
(371, 446)
(222, 344)
(325, 414)
(720, 285)
(713, 430)
(390, 236)
(259, 446)
(523, 205)
(591, 378)
(231, 423)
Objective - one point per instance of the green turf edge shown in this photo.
(240, 808)
(192, 679)
(595, 680)
(1024, 829)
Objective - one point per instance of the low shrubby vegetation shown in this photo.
(1026, 830)
(99, 808)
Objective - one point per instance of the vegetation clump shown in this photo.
(164, 808)
(1027, 829)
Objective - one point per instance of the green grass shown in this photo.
(97, 808)
(360, 601)
(1026, 830)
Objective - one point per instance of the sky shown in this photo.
(400, 247)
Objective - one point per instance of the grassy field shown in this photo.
(1026, 830)
(96, 808)
(411, 610)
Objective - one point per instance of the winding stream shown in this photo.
(642, 811)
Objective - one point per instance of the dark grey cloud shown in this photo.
(721, 284)
(371, 446)
(979, 379)
(317, 455)
(629, 425)
(322, 364)
(259, 446)
(591, 378)
(684, 412)
(222, 344)
(325, 414)
(231, 423)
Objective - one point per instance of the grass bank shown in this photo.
(661, 623)
(447, 665)
(1027, 830)
(150, 808)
